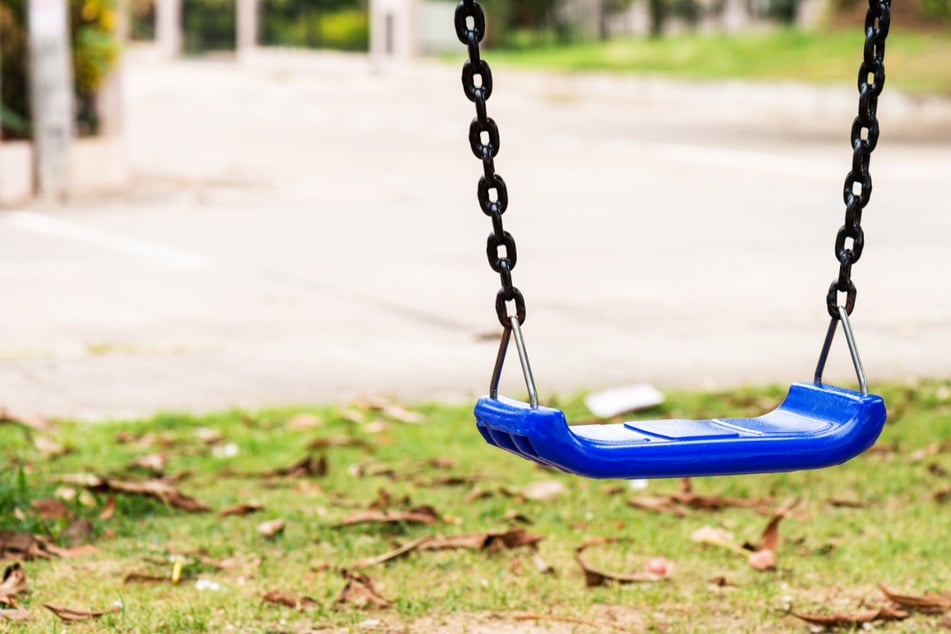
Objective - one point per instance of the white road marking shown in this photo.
(40, 223)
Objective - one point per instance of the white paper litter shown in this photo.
(620, 400)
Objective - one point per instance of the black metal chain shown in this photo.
(858, 184)
(484, 141)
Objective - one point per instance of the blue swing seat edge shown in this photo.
(816, 426)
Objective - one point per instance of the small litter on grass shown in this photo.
(271, 529)
(656, 569)
(14, 615)
(227, 450)
(276, 597)
(241, 509)
(419, 515)
(621, 400)
(206, 584)
(542, 491)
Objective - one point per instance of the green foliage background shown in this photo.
(95, 50)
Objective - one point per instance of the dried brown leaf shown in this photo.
(419, 515)
(49, 447)
(393, 554)
(241, 509)
(929, 603)
(656, 504)
(108, 509)
(942, 495)
(271, 528)
(543, 491)
(338, 441)
(542, 566)
(597, 577)
(14, 615)
(276, 597)
(146, 577)
(159, 489)
(74, 552)
(35, 423)
(13, 584)
(360, 592)
(884, 613)
(493, 540)
(21, 546)
(77, 532)
(762, 559)
(300, 422)
(686, 497)
(770, 539)
(69, 614)
(50, 509)
(514, 517)
(847, 503)
(390, 409)
(153, 462)
(306, 467)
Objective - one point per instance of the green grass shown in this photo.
(830, 557)
(916, 62)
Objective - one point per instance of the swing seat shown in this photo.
(816, 426)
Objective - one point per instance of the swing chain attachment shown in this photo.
(516, 327)
(857, 190)
(492, 193)
(843, 317)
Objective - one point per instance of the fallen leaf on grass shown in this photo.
(390, 409)
(300, 422)
(360, 592)
(720, 537)
(488, 541)
(21, 546)
(50, 448)
(159, 489)
(242, 509)
(108, 509)
(852, 619)
(14, 615)
(339, 441)
(74, 552)
(937, 470)
(276, 597)
(543, 491)
(393, 554)
(36, 423)
(146, 577)
(846, 503)
(77, 532)
(13, 584)
(764, 557)
(657, 504)
(69, 614)
(153, 462)
(50, 509)
(542, 566)
(929, 603)
(272, 528)
(308, 466)
(419, 515)
(687, 497)
(597, 577)
(942, 495)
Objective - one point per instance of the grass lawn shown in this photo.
(915, 62)
(491, 539)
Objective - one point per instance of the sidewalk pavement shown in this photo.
(303, 228)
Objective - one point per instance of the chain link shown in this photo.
(484, 140)
(857, 191)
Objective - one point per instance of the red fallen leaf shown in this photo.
(13, 584)
(242, 509)
(69, 614)
(929, 603)
(50, 509)
(597, 577)
(419, 515)
(14, 615)
(359, 591)
(884, 613)
(276, 597)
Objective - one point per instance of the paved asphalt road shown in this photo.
(303, 228)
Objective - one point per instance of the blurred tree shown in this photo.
(95, 49)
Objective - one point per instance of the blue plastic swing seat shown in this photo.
(816, 426)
